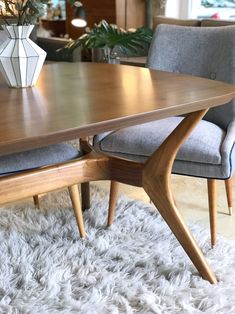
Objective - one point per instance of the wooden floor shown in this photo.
(191, 198)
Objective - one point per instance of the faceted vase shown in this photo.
(21, 60)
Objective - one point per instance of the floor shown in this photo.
(191, 198)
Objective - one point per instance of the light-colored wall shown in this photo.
(179, 8)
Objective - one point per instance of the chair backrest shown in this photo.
(205, 52)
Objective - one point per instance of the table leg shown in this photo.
(154, 176)
(157, 183)
(85, 194)
(85, 148)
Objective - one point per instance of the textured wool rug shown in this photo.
(136, 266)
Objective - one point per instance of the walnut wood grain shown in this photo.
(157, 177)
(78, 100)
(91, 167)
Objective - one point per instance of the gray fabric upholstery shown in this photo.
(142, 140)
(206, 52)
(36, 158)
(223, 171)
(206, 153)
(210, 150)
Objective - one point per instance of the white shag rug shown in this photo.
(136, 266)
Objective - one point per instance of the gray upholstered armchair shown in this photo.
(210, 150)
(27, 163)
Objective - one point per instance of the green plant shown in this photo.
(25, 12)
(110, 37)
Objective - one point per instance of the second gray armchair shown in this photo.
(210, 150)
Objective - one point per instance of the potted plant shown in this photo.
(112, 40)
(20, 58)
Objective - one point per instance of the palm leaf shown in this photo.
(105, 35)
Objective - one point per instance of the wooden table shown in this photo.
(71, 101)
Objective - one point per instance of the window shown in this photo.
(217, 9)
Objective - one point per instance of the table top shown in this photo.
(76, 100)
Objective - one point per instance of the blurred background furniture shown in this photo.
(51, 44)
(55, 27)
(157, 20)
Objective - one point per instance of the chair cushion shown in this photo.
(36, 158)
(202, 146)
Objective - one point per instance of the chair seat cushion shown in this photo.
(36, 158)
(139, 142)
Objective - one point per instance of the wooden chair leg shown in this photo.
(112, 201)
(229, 192)
(212, 200)
(36, 201)
(75, 199)
(85, 193)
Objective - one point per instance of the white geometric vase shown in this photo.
(21, 60)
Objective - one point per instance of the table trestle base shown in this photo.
(154, 176)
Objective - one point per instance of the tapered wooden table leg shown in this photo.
(157, 183)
